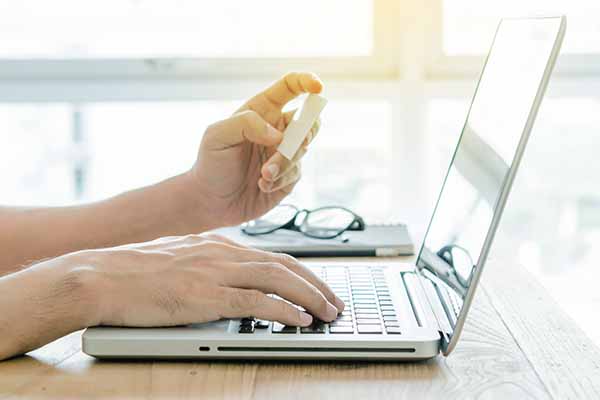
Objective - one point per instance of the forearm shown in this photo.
(31, 234)
(43, 303)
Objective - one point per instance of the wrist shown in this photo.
(44, 302)
(194, 212)
(80, 286)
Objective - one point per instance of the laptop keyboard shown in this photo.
(369, 306)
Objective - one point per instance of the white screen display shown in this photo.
(477, 175)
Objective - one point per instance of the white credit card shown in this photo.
(300, 126)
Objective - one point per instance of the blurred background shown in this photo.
(98, 97)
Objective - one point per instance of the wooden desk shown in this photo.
(517, 344)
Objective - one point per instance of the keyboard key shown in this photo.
(367, 316)
(341, 329)
(366, 321)
(359, 304)
(342, 323)
(246, 328)
(368, 297)
(393, 330)
(369, 328)
(313, 329)
(390, 323)
(363, 310)
(261, 324)
(388, 313)
(365, 307)
(387, 308)
(389, 318)
(280, 328)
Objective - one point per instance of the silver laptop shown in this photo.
(393, 310)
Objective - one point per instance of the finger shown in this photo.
(314, 130)
(240, 303)
(278, 196)
(291, 177)
(287, 167)
(275, 278)
(277, 165)
(286, 119)
(302, 270)
(283, 192)
(246, 125)
(292, 85)
(249, 255)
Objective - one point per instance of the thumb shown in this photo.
(244, 126)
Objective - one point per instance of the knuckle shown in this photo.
(297, 314)
(322, 304)
(191, 238)
(210, 245)
(286, 259)
(241, 300)
(250, 117)
(212, 129)
(290, 79)
(269, 271)
(214, 237)
(285, 311)
(290, 75)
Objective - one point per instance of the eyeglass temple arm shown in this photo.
(358, 224)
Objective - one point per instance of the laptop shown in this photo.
(399, 311)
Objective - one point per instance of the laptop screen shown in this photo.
(455, 244)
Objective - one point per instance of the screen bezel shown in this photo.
(449, 339)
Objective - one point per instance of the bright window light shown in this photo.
(185, 28)
(469, 26)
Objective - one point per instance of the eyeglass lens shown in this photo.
(274, 219)
(327, 222)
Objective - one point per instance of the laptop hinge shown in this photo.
(438, 310)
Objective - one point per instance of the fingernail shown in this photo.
(339, 303)
(273, 170)
(305, 319)
(332, 312)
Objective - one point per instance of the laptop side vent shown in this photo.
(316, 349)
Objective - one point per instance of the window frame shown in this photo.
(440, 66)
(382, 63)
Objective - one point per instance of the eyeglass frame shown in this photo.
(357, 224)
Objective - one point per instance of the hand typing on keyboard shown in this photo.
(175, 281)
(369, 306)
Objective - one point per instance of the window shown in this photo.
(64, 29)
(37, 156)
(187, 38)
(469, 26)
(89, 89)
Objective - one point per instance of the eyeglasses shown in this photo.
(320, 223)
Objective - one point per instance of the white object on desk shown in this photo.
(300, 126)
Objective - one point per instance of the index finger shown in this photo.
(292, 85)
(254, 255)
